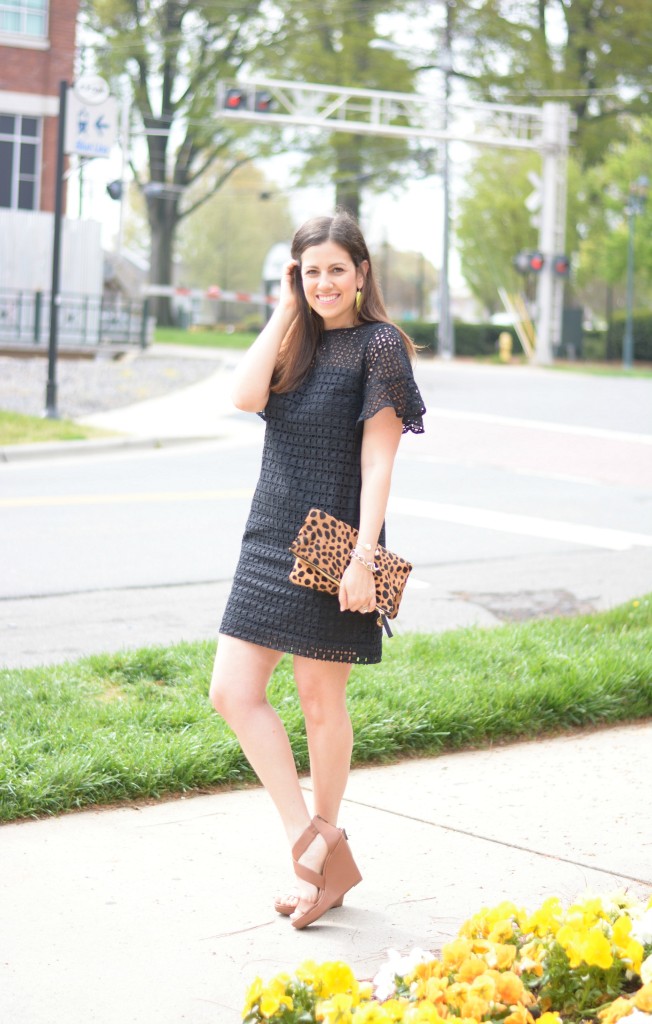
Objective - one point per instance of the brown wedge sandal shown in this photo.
(339, 873)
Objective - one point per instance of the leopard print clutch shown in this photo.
(322, 551)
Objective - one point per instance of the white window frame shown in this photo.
(17, 138)
(22, 36)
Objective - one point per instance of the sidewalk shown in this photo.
(196, 412)
(162, 913)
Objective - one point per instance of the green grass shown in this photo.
(18, 429)
(203, 338)
(601, 369)
(138, 724)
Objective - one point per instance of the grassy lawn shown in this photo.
(202, 338)
(138, 724)
(18, 429)
(602, 369)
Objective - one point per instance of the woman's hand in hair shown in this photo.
(290, 283)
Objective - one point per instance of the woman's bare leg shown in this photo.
(322, 692)
(238, 692)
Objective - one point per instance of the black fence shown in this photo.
(84, 320)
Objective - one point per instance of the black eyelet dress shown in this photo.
(311, 458)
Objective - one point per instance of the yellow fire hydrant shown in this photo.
(505, 344)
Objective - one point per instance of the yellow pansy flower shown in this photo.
(395, 1009)
(510, 989)
(471, 968)
(546, 920)
(421, 1013)
(531, 958)
(616, 1011)
(274, 996)
(336, 1010)
(643, 999)
(596, 950)
(549, 1018)
(307, 972)
(253, 995)
(373, 1013)
(455, 953)
(519, 1015)
(628, 948)
(334, 977)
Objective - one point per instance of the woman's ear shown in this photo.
(363, 270)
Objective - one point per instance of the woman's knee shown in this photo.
(240, 676)
(321, 704)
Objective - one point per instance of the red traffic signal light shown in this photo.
(561, 266)
(263, 102)
(236, 99)
(527, 262)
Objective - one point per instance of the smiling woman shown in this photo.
(333, 380)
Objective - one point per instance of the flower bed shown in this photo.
(590, 962)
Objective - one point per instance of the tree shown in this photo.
(225, 242)
(592, 53)
(171, 53)
(494, 224)
(331, 43)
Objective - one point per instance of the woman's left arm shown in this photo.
(380, 440)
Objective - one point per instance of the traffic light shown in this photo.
(528, 262)
(263, 102)
(114, 188)
(236, 99)
(561, 266)
(259, 100)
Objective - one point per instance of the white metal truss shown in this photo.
(375, 112)
(418, 116)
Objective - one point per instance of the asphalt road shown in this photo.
(529, 494)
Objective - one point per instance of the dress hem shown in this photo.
(304, 651)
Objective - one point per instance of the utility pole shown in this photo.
(446, 338)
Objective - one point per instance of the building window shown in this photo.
(20, 140)
(24, 17)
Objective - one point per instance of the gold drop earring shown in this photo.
(358, 300)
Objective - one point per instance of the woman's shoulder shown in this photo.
(382, 333)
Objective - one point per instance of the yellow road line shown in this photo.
(124, 499)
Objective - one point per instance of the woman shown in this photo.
(333, 380)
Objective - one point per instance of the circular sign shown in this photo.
(92, 89)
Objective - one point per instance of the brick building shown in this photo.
(37, 48)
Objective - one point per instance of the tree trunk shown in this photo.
(163, 218)
(348, 173)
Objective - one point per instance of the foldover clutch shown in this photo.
(322, 552)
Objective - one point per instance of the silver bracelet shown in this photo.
(371, 566)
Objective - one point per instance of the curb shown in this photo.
(61, 449)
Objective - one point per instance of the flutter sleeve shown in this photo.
(389, 380)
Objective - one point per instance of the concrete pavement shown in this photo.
(163, 912)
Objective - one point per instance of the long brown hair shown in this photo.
(300, 343)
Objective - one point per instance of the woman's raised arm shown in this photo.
(253, 376)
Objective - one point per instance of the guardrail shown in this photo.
(84, 320)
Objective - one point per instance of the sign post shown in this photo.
(55, 298)
(88, 127)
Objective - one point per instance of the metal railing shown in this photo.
(84, 320)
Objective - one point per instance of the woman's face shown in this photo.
(330, 280)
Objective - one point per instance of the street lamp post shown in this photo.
(638, 192)
(446, 336)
